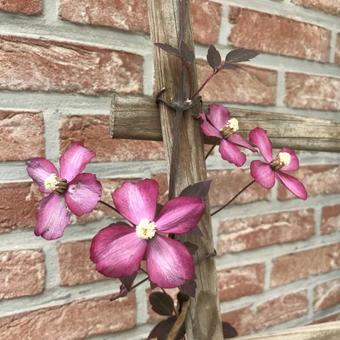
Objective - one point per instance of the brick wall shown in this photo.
(59, 61)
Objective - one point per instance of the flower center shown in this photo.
(56, 184)
(230, 127)
(282, 159)
(146, 229)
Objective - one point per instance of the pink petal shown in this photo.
(294, 161)
(117, 251)
(218, 116)
(168, 262)
(53, 217)
(74, 161)
(237, 139)
(231, 153)
(259, 138)
(39, 169)
(262, 173)
(83, 194)
(137, 201)
(207, 128)
(292, 184)
(180, 215)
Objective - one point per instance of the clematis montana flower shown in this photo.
(265, 173)
(118, 249)
(68, 190)
(217, 123)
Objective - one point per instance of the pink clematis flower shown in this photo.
(68, 190)
(264, 173)
(118, 249)
(217, 123)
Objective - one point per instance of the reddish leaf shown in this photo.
(200, 189)
(128, 281)
(214, 57)
(228, 330)
(162, 329)
(161, 303)
(239, 55)
(189, 288)
(169, 49)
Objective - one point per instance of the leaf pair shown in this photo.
(184, 51)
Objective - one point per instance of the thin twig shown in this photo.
(210, 151)
(238, 194)
(205, 83)
(110, 206)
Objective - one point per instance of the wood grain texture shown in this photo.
(163, 18)
(326, 331)
(298, 132)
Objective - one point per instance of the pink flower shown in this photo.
(68, 190)
(118, 249)
(217, 123)
(264, 173)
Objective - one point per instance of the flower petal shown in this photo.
(237, 139)
(74, 160)
(137, 201)
(117, 251)
(292, 184)
(207, 128)
(218, 116)
(294, 161)
(53, 217)
(168, 262)
(262, 173)
(231, 153)
(39, 169)
(259, 138)
(83, 194)
(180, 215)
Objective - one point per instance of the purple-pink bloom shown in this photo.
(217, 123)
(118, 249)
(265, 173)
(68, 190)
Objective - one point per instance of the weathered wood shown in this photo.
(137, 117)
(325, 331)
(203, 321)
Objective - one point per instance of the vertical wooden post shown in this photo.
(203, 321)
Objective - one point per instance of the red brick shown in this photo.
(22, 273)
(330, 220)
(28, 7)
(281, 309)
(12, 195)
(87, 128)
(328, 6)
(42, 65)
(278, 35)
(131, 15)
(22, 135)
(326, 294)
(263, 230)
(318, 180)
(246, 85)
(299, 265)
(75, 266)
(337, 50)
(76, 320)
(241, 281)
(227, 183)
(312, 92)
(241, 319)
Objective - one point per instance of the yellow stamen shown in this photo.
(146, 229)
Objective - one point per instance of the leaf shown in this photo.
(169, 49)
(191, 247)
(162, 329)
(161, 303)
(239, 55)
(189, 288)
(128, 281)
(186, 52)
(214, 57)
(200, 189)
(228, 330)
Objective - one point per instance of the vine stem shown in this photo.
(210, 151)
(205, 83)
(110, 206)
(231, 200)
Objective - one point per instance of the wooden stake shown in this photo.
(203, 321)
